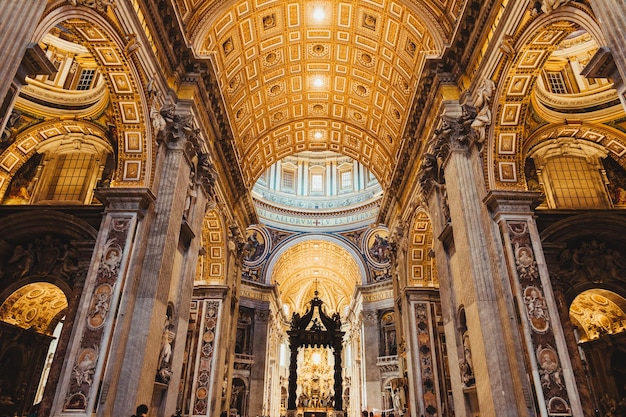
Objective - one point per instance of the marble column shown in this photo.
(453, 188)
(262, 324)
(338, 386)
(19, 23)
(85, 249)
(209, 381)
(425, 397)
(157, 302)
(541, 328)
(611, 15)
(293, 375)
(370, 350)
(106, 282)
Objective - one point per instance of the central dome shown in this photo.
(317, 189)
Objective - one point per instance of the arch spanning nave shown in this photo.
(312, 208)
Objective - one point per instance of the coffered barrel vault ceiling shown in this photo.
(318, 75)
(316, 265)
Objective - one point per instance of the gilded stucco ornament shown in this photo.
(548, 6)
(173, 129)
(99, 5)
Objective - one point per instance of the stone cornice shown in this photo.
(454, 61)
(225, 142)
(511, 202)
(166, 29)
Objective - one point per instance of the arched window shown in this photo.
(571, 173)
(70, 169)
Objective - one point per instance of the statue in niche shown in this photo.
(466, 364)
(398, 396)
(164, 373)
(192, 194)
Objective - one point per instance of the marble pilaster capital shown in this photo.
(455, 134)
(125, 199)
(174, 129)
(369, 317)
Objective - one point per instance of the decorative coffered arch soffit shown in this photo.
(311, 263)
(26, 144)
(212, 262)
(422, 271)
(611, 139)
(344, 83)
(533, 48)
(127, 97)
(39, 306)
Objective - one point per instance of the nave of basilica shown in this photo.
(313, 208)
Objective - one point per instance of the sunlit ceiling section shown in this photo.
(39, 306)
(597, 312)
(319, 75)
(316, 265)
